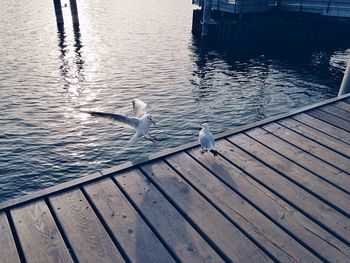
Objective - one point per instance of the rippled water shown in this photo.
(122, 50)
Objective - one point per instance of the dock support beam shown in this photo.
(58, 12)
(345, 84)
(74, 11)
(206, 17)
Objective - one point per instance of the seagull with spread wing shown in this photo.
(141, 122)
(206, 139)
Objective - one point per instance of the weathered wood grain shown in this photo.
(317, 136)
(288, 191)
(325, 127)
(342, 105)
(179, 235)
(47, 191)
(306, 230)
(336, 111)
(138, 241)
(313, 164)
(309, 146)
(231, 241)
(38, 234)
(88, 238)
(8, 250)
(295, 173)
(330, 118)
(261, 229)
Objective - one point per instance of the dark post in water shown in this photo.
(206, 7)
(74, 11)
(58, 12)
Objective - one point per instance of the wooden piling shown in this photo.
(206, 17)
(74, 11)
(345, 85)
(58, 12)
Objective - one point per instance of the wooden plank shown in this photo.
(87, 237)
(306, 160)
(308, 232)
(288, 191)
(322, 126)
(297, 174)
(46, 191)
(179, 235)
(336, 111)
(8, 250)
(38, 234)
(235, 245)
(342, 105)
(330, 118)
(132, 233)
(309, 146)
(317, 136)
(262, 230)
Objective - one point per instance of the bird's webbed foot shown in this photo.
(203, 150)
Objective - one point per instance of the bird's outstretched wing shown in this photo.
(139, 107)
(130, 121)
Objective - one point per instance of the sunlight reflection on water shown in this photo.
(144, 49)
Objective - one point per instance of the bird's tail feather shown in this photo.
(215, 152)
(134, 138)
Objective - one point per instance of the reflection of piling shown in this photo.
(58, 12)
(74, 11)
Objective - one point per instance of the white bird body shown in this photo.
(142, 128)
(206, 139)
(141, 123)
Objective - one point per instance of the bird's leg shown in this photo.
(153, 137)
(149, 138)
(203, 150)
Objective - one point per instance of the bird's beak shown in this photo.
(154, 123)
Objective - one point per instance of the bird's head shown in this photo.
(205, 126)
(149, 118)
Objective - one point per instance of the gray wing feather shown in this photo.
(131, 121)
(206, 140)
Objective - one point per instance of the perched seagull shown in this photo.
(141, 122)
(207, 140)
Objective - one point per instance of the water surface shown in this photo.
(122, 50)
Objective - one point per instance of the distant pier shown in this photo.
(279, 191)
(264, 24)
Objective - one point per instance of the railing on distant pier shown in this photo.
(240, 7)
(339, 8)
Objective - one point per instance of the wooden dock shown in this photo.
(279, 191)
